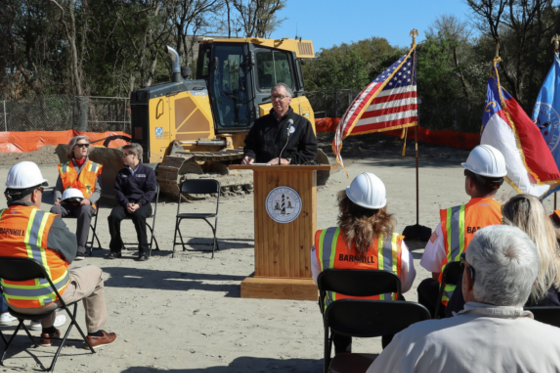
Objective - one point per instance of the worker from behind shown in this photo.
(28, 232)
(484, 174)
(364, 239)
(135, 187)
(80, 174)
(281, 137)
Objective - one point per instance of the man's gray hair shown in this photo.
(135, 148)
(506, 264)
(72, 143)
(289, 91)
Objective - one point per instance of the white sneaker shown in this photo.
(6, 319)
(58, 322)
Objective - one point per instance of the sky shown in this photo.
(332, 22)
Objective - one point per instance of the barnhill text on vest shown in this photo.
(356, 258)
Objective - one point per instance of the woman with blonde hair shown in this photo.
(364, 238)
(528, 214)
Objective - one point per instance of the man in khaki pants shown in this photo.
(28, 232)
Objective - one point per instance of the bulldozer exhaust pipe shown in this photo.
(176, 64)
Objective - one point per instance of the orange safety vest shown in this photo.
(24, 231)
(555, 216)
(459, 224)
(85, 181)
(332, 252)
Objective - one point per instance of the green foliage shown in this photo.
(348, 66)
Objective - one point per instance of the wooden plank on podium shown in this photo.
(279, 288)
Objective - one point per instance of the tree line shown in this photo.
(455, 59)
(111, 47)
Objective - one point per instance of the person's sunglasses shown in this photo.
(464, 263)
(83, 145)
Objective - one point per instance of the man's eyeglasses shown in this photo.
(464, 263)
(82, 145)
(127, 154)
(41, 189)
(278, 97)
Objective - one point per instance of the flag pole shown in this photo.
(417, 231)
(417, 178)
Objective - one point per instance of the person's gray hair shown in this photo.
(289, 91)
(135, 148)
(72, 143)
(506, 264)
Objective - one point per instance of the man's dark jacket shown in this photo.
(140, 188)
(266, 139)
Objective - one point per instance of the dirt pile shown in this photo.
(45, 156)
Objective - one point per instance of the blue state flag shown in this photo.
(546, 113)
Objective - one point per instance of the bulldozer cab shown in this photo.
(240, 75)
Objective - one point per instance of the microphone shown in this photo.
(287, 137)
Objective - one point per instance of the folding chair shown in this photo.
(363, 317)
(450, 276)
(198, 186)
(548, 314)
(366, 318)
(150, 227)
(24, 269)
(93, 230)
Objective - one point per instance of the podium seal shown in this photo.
(283, 204)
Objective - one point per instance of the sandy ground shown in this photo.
(185, 314)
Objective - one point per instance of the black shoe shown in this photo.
(114, 255)
(80, 256)
(142, 257)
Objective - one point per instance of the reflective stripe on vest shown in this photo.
(330, 243)
(459, 224)
(41, 290)
(455, 228)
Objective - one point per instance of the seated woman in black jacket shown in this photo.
(528, 213)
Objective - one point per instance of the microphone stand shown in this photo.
(286, 144)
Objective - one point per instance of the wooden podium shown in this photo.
(284, 231)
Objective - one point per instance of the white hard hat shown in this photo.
(485, 160)
(72, 195)
(25, 175)
(368, 191)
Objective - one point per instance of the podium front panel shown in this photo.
(282, 249)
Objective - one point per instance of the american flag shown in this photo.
(387, 103)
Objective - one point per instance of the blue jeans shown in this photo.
(3, 304)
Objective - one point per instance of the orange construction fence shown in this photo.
(454, 139)
(23, 142)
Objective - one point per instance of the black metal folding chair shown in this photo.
(93, 231)
(548, 315)
(362, 317)
(450, 276)
(367, 318)
(25, 269)
(150, 227)
(198, 186)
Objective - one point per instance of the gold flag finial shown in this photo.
(556, 41)
(414, 34)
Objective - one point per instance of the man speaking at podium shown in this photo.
(281, 137)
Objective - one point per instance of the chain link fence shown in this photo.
(60, 113)
(331, 104)
(100, 114)
(457, 116)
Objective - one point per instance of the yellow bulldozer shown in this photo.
(191, 128)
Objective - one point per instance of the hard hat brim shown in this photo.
(43, 184)
(481, 173)
(371, 207)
